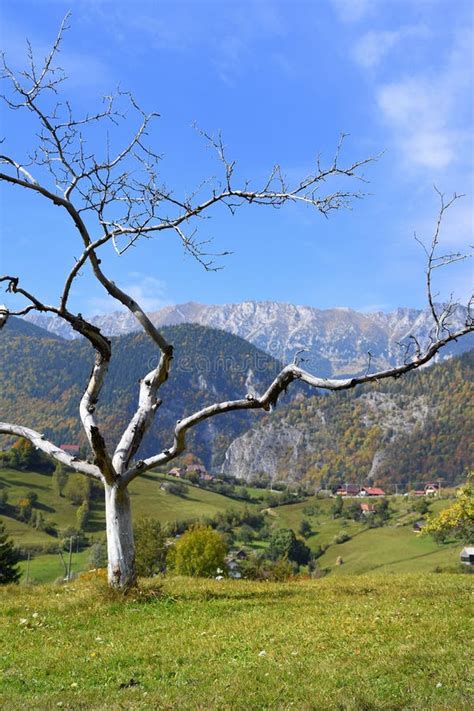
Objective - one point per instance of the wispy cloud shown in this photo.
(373, 46)
(352, 10)
(425, 111)
(148, 292)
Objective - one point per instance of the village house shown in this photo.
(70, 448)
(232, 562)
(367, 509)
(467, 555)
(419, 525)
(176, 471)
(371, 491)
(348, 490)
(431, 489)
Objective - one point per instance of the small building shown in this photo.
(348, 490)
(467, 555)
(70, 448)
(206, 477)
(371, 491)
(196, 469)
(176, 471)
(419, 525)
(367, 509)
(432, 489)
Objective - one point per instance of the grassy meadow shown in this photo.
(394, 548)
(359, 643)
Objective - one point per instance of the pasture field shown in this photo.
(348, 643)
(147, 500)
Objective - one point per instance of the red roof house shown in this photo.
(371, 491)
(70, 448)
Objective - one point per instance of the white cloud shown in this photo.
(147, 291)
(373, 46)
(425, 112)
(352, 10)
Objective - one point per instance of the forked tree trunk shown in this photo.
(120, 544)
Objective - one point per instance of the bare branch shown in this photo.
(51, 450)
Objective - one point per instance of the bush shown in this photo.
(176, 488)
(342, 537)
(305, 529)
(200, 552)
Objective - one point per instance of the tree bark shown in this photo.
(120, 544)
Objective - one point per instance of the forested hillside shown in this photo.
(401, 431)
(43, 379)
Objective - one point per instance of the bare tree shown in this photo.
(119, 198)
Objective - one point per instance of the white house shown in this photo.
(467, 555)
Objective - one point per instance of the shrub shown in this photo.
(200, 552)
(342, 537)
(176, 488)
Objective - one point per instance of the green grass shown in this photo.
(393, 548)
(389, 550)
(47, 568)
(147, 500)
(360, 643)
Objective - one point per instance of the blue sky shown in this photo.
(281, 80)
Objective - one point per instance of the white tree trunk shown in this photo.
(120, 544)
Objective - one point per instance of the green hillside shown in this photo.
(43, 379)
(393, 547)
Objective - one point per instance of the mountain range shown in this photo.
(335, 341)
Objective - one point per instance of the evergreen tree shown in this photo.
(59, 479)
(9, 558)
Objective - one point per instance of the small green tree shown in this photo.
(284, 544)
(82, 516)
(200, 552)
(77, 489)
(150, 548)
(246, 533)
(336, 508)
(9, 558)
(59, 479)
(305, 529)
(421, 506)
(3, 499)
